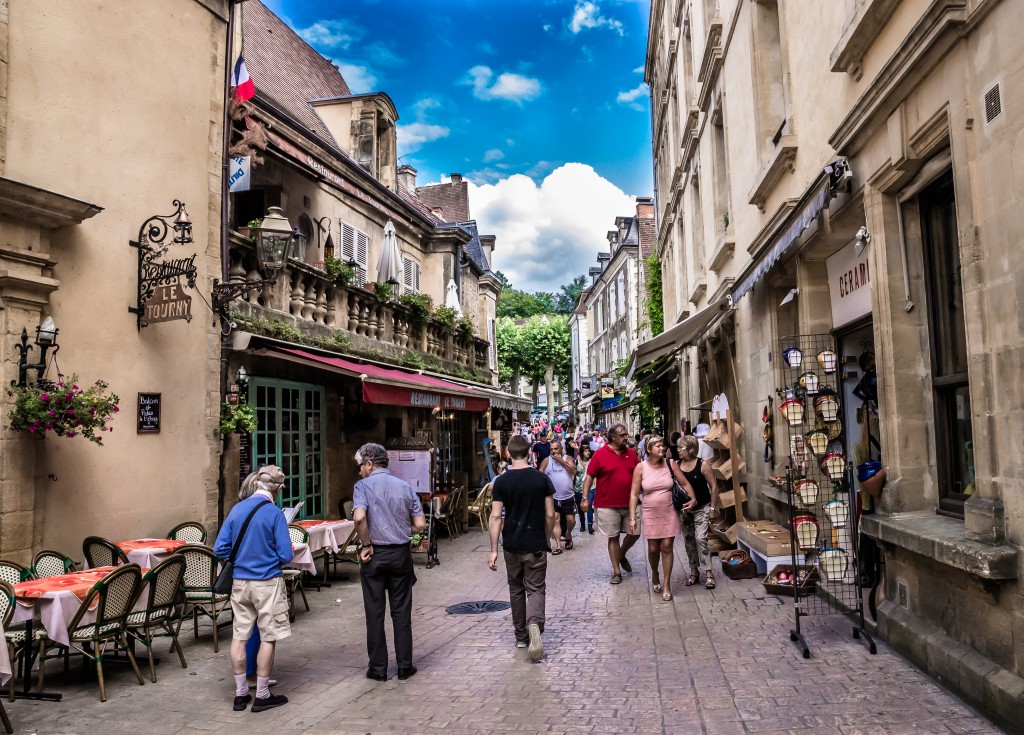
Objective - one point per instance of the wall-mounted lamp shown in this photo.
(238, 390)
(46, 339)
(861, 240)
(793, 293)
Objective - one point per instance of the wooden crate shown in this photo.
(727, 498)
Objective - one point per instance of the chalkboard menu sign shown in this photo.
(149, 413)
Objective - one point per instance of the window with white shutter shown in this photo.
(622, 294)
(492, 338)
(355, 246)
(410, 275)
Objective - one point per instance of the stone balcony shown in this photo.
(305, 299)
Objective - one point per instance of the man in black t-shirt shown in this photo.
(527, 498)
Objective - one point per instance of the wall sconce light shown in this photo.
(793, 293)
(861, 240)
(46, 339)
(276, 240)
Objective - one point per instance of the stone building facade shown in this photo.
(86, 156)
(849, 169)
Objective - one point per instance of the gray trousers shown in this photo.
(695, 537)
(527, 583)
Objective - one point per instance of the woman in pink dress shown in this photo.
(653, 478)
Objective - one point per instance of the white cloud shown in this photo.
(551, 232)
(330, 34)
(639, 70)
(360, 79)
(507, 86)
(413, 136)
(495, 154)
(587, 16)
(633, 98)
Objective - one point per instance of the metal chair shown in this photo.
(163, 596)
(112, 598)
(49, 563)
(201, 567)
(192, 532)
(6, 612)
(14, 639)
(101, 552)
(481, 506)
(293, 577)
(12, 572)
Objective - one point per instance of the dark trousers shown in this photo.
(583, 513)
(389, 572)
(527, 586)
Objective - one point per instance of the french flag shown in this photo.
(242, 82)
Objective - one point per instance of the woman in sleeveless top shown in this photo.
(561, 470)
(660, 521)
(695, 475)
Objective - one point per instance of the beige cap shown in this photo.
(271, 473)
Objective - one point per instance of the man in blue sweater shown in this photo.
(258, 594)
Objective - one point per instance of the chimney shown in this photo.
(456, 178)
(645, 207)
(407, 178)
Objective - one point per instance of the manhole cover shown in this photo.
(475, 608)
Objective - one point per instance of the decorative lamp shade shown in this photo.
(817, 441)
(793, 356)
(805, 529)
(807, 491)
(837, 512)
(46, 334)
(809, 382)
(793, 410)
(833, 564)
(274, 240)
(828, 407)
(828, 361)
(834, 465)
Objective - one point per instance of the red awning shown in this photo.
(398, 388)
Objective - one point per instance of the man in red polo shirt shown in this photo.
(612, 468)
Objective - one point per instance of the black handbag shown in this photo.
(679, 496)
(222, 585)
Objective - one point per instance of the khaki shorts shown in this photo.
(613, 521)
(263, 602)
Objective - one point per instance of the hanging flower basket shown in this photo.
(63, 407)
(239, 418)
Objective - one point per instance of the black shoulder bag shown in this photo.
(679, 496)
(222, 585)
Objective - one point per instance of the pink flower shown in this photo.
(116, 409)
(32, 429)
(44, 397)
(52, 412)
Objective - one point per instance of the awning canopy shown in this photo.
(395, 387)
(657, 372)
(677, 337)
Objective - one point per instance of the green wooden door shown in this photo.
(289, 434)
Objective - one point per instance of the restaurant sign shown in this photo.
(167, 304)
(395, 395)
(849, 284)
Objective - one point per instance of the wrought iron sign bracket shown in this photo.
(225, 293)
(155, 237)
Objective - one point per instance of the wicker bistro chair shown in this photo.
(450, 510)
(12, 572)
(101, 552)
(112, 598)
(6, 612)
(14, 639)
(52, 564)
(481, 505)
(192, 532)
(163, 595)
(201, 566)
(293, 577)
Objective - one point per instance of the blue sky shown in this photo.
(500, 90)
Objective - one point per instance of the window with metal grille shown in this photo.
(355, 247)
(993, 104)
(289, 434)
(410, 275)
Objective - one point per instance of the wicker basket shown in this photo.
(808, 576)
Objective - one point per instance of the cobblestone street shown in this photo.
(618, 660)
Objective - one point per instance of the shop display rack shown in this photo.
(823, 508)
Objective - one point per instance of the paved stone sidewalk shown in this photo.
(618, 660)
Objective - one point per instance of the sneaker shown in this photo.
(626, 566)
(522, 644)
(274, 700)
(242, 702)
(536, 646)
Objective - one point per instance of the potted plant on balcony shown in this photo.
(340, 272)
(465, 328)
(385, 292)
(237, 417)
(419, 309)
(250, 226)
(445, 317)
(64, 408)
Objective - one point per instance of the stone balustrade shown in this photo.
(307, 299)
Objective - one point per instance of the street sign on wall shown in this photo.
(849, 284)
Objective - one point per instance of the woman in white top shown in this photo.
(561, 470)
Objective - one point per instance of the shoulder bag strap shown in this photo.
(241, 533)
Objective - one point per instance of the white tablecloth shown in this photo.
(303, 559)
(329, 535)
(5, 660)
(55, 610)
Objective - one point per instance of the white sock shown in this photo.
(241, 688)
(262, 687)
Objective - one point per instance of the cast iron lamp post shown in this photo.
(46, 339)
(275, 240)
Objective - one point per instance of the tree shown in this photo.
(517, 304)
(569, 295)
(545, 351)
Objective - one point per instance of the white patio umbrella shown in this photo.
(389, 266)
(451, 297)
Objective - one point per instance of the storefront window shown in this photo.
(449, 448)
(289, 434)
(948, 335)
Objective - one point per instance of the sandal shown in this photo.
(657, 587)
(694, 578)
(666, 596)
(709, 583)
(556, 552)
(568, 544)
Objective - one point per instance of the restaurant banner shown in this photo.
(395, 395)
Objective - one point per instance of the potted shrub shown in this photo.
(466, 328)
(64, 408)
(339, 271)
(445, 318)
(237, 417)
(419, 309)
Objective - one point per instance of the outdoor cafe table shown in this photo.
(5, 660)
(303, 559)
(327, 534)
(148, 552)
